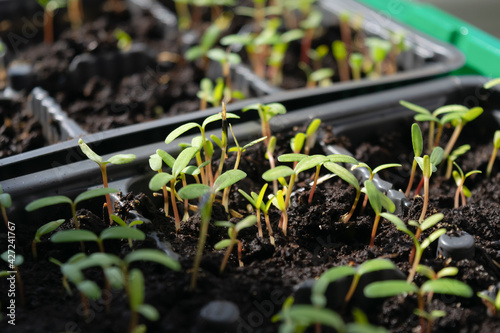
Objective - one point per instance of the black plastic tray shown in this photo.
(355, 118)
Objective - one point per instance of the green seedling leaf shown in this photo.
(291, 158)
(343, 173)
(17, 262)
(228, 178)
(435, 235)
(194, 53)
(447, 271)
(491, 83)
(340, 158)
(5, 200)
(183, 160)
(278, 172)
(400, 225)
(417, 140)
(136, 294)
(292, 35)
(386, 166)
(114, 276)
(447, 287)
(321, 74)
(356, 60)
(436, 156)
(89, 152)
(246, 222)
(89, 289)
(192, 170)
(426, 271)
(415, 107)
(312, 315)
(297, 142)
(159, 180)
(431, 221)
(425, 117)
(236, 39)
(389, 288)
(72, 272)
(122, 233)
(313, 127)
(309, 163)
(312, 21)
(224, 224)
(153, 256)
(148, 311)
(49, 201)
(218, 116)
(222, 244)
(121, 159)
(374, 265)
(318, 291)
(339, 50)
(216, 140)
(155, 162)
(94, 193)
(179, 131)
(249, 198)
(167, 158)
(453, 108)
(496, 139)
(193, 191)
(47, 228)
(69, 236)
(373, 196)
(217, 54)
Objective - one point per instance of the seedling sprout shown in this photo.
(266, 113)
(496, 145)
(340, 53)
(257, 200)
(356, 63)
(43, 230)
(417, 141)
(49, 7)
(462, 191)
(5, 202)
(378, 200)
(453, 157)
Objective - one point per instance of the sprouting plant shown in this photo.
(462, 191)
(226, 59)
(124, 40)
(311, 135)
(378, 200)
(43, 230)
(441, 285)
(340, 54)
(59, 199)
(379, 49)
(429, 273)
(49, 7)
(345, 30)
(278, 51)
(492, 304)
(428, 166)
(453, 157)
(278, 200)
(271, 145)
(318, 291)
(496, 145)
(207, 193)
(356, 63)
(419, 247)
(258, 13)
(136, 301)
(459, 119)
(321, 77)
(317, 55)
(5, 202)
(210, 94)
(122, 223)
(233, 230)
(297, 143)
(183, 14)
(118, 232)
(418, 145)
(309, 24)
(116, 159)
(14, 260)
(266, 113)
(156, 163)
(257, 200)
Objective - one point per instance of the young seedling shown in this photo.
(278, 51)
(309, 24)
(318, 291)
(43, 230)
(419, 247)
(233, 230)
(257, 200)
(226, 59)
(156, 163)
(356, 64)
(116, 159)
(122, 223)
(492, 304)
(453, 157)
(14, 260)
(459, 120)
(345, 30)
(444, 286)
(5, 202)
(270, 156)
(311, 135)
(496, 145)
(340, 54)
(59, 199)
(429, 273)
(462, 191)
(317, 55)
(418, 145)
(321, 78)
(428, 165)
(118, 232)
(124, 41)
(136, 301)
(379, 49)
(278, 200)
(266, 113)
(378, 200)
(49, 7)
(194, 191)
(183, 14)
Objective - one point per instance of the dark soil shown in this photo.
(316, 241)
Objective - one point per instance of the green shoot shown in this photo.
(417, 141)
(453, 157)
(459, 120)
(491, 83)
(225, 59)
(309, 24)
(492, 304)
(118, 232)
(257, 200)
(233, 230)
(269, 155)
(266, 113)
(156, 164)
(124, 40)
(116, 159)
(462, 191)
(136, 301)
(318, 291)
(419, 247)
(5, 202)
(321, 77)
(379, 49)
(183, 14)
(317, 55)
(14, 260)
(428, 166)
(496, 145)
(278, 200)
(58, 199)
(378, 200)
(276, 59)
(311, 135)
(345, 30)
(122, 223)
(49, 7)
(210, 94)
(340, 54)
(356, 63)
(43, 230)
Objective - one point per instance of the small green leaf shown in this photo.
(148, 312)
(321, 74)
(426, 271)
(122, 233)
(246, 222)
(94, 193)
(216, 140)
(228, 178)
(309, 162)
(318, 290)
(191, 170)
(453, 108)
(194, 53)
(183, 160)
(222, 244)
(387, 203)
(89, 152)
(136, 287)
(385, 166)
(447, 271)
(166, 157)
(121, 159)
(226, 224)
(431, 221)
(69, 236)
(159, 180)
(343, 173)
(374, 265)
(389, 288)
(341, 158)
(249, 198)
(373, 196)
(193, 191)
(155, 162)
(400, 225)
(435, 235)
(297, 142)
(291, 158)
(414, 107)
(425, 117)
(278, 172)
(18, 261)
(89, 289)
(248, 145)
(447, 287)
(491, 83)
(339, 50)
(426, 163)
(417, 140)
(217, 54)
(154, 256)
(47, 228)
(49, 201)
(473, 113)
(114, 276)
(218, 116)
(5, 200)
(179, 131)
(311, 315)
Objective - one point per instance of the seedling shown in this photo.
(492, 304)
(136, 301)
(417, 142)
(317, 55)
(5, 202)
(429, 273)
(118, 232)
(123, 38)
(233, 230)
(428, 166)
(453, 157)
(340, 53)
(491, 83)
(311, 135)
(378, 200)
(278, 51)
(269, 155)
(445, 286)
(14, 260)
(156, 163)
(122, 223)
(59, 199)
(419, 247)
(462, 191)
(278, 200)
(379, 49)
(226, 59)
(425, 115)
(345, 30)
(49, 7)
(297, 143)
(207, 193)
(257, 200)
(183, 14)
(318, 291)
(309, 24)
(459, 120)
(266, 113)
(43, 230)
(356, 63)
(116, 159)
(321, 77)
(496, 145)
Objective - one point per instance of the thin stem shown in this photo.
(354, 284)
(269, 228)
(438, 135)
(272, 164)
(430, 144)
(105, 185)
(4, 214)
(374, 230)
(174, 205)
(412, 178)
(353, 208)
(259, 226)
(491, 162)
(227, 254)
(289, 190)
(426, 199)
(186, 203)
(20, 285)
(48, 26)
(313, 188)
(416, 261)
(344, 70)
(202, 171)
(413, 249)
(453, 139)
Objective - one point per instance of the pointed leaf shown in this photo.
(153, 256)
(179, 131)
(435, 235)
(94, 193)
(447, 287)
(114, 276)
(400, 225)
(148, 311)
(387, 203)
(228, 178)
(291, 158)
(222, 244)
(373, 196)
(318, 290)
(417, 140)
(166, 157)
(49, 201)
(453, 108)
(309, 162)
(278, 172)
(159, 180)
(425, 117)
(136, 294)
(374, 265)
(183, 160)
(216, 140)
(385, 166)
(48, 228)
(121, 159)
(246, 222)
(69, 236)
(193, 191)
(447, 271)
(389, 288)
(89, 289)
(414, 107)
(218, 116)
(249, 198)
(473, 113)
(248, 145)
(122, 233)
(341, 158)
(431, 221)
(89, 152)
(343, 173)
(426, 271)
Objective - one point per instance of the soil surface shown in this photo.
(316, 240)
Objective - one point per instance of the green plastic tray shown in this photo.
(482, 51)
